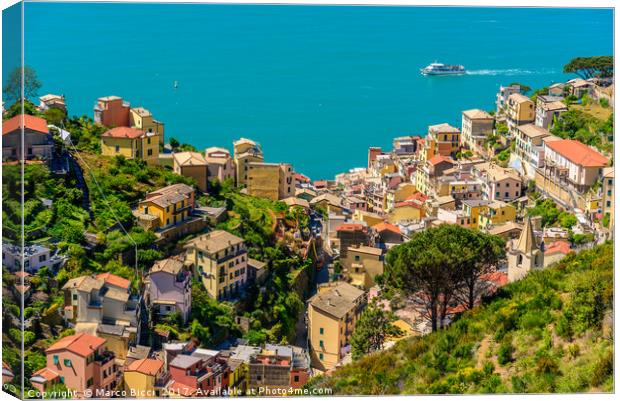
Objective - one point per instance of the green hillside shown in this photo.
(550, 332)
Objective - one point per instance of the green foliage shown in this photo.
(567, 220)
(547, 209)
(584, 127)
(577, 291)
(14, 83)
(370, 332)
(589, 67)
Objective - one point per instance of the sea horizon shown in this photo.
(315, 85)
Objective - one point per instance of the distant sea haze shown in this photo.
(316, 86)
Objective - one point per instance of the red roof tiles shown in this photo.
(387, 227)
(81, 344)
(113, 279)
(350, 227)
(578, 153)
(146, 366)
(124, 132)
(438, 159)
(27, 121)
(558, 247)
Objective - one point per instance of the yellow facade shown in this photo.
(139, 383)
(421, 179)
(496, 213)
(370, 218)
(270, 180)
(145, 147)
(406, 212)
(142, 119)
(402, 192)
(330, 327)
(169, 215)
(363, 264)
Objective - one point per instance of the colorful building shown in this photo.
(36, 141)
(246, 151)
(520, 110)
(145, 378)
(82, 363)
(220, 260)
(168, 210)
(132, 143)
(169, 288)
(193, 165)
(332, 315)
(362, 265)
(221, 165)
(476, 126)
(273, 181)
(442, 139)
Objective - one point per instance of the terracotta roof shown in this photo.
(146, 366)
(320, 183)
(350, 227)
(46, 374)
(386, 227)
(438, 159)
(301, 177)
(123, 132)
(498, 278)
(81, 344)
(519, 98)
(26, 121)
(578, 153)
(558, 247)
(22, 274)
(114, 280)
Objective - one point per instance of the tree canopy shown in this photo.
(590, 67)
(442, 267)
(13, 88)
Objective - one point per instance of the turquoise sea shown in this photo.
(315, 85)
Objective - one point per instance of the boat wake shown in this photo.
(508, 72)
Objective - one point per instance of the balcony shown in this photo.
(104, 357)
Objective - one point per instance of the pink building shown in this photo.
(169, 288)
(112, 111)
(220, 165)
(82, 363)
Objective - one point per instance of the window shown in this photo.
(149, 152)
(89, 382)
(75, 297)
(497, 194)
(357, 258)
(321, 331)
(506, 194)
(67, 362)
(608, 203)
(62, 379)
(118, 149)
(321, 356)
(43, 257)
(56, 361)
(296, 379)
(321, 344)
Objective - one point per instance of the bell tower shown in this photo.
(524, 254)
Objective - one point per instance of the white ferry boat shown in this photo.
(442, 69)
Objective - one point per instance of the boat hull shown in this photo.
(427, 72)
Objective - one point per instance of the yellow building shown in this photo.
(399, 194)
(193, 165)
(246, 151)
(331, 203)
(142, 119)
(608, 196)
(496, 213)
(362, 265)
(220, 260)
(370, 218)
(442, 139)
(166, 207)
(144, 378)
(132, 143)
(332, 315)
(273, 181)
(472, 209)
(520, 110)
(410, 210)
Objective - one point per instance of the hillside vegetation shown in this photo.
(550, 332)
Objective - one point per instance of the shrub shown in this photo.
(504, 353)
